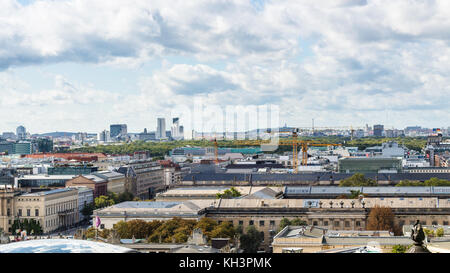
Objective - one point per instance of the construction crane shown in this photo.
(216, 152)
(295, 143)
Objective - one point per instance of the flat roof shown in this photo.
(42, 193)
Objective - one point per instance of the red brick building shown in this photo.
(93, 182)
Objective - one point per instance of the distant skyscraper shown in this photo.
(378, 130)
(161, 128)
(175, 130)
(104, 136)
(117, 130)
(21, 132)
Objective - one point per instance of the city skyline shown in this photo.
(334, 62)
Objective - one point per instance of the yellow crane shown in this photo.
(295, 143)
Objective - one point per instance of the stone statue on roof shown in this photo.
(418, 236)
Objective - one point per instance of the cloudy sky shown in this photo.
(80, 65)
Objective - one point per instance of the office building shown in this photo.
(143, 178)
(369, 165)
(118, 130)
(21, 132)
(161, 128)
(104, 136)
(378, 130)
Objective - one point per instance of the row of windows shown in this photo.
(315, 223)
(27, 199)
(61, 207)
(36, 212)
(434, 223)
(347, 224)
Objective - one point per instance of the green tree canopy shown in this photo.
(228, 194)
(251, 240)
(103, 201)
(358, 180)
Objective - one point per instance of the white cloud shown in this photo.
(367, 58)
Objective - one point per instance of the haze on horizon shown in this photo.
(81, 65)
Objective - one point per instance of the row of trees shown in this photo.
(159, 149)
(430, 182)
(178, 230)
(32, 226)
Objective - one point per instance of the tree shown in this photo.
(295, 222)
(228, 194)
(428, 232)
(167, 230)
(207, 225)
(224, 230)
(90, 233)
(122, 230)
(382, 218)
(440, 232)
(409, 183)
(357, 180)
(103, 201)
(400, 248)
(87, 210)
(251, 241)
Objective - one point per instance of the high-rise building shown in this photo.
(181, 135)
(378, 130)
(118, 130)
(161, 128)
(21, 132)
(104, 136)
(175, 130)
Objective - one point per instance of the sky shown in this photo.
(81, 65)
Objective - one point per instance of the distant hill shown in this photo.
(56, 134)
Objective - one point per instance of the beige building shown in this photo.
(53, 209)
(147, 211)
(311, 240)
(143, 178)
(116, 181)
(7, 207)
(266, 214)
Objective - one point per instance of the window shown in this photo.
(325, 223)
(8, 213)
(347, 224)
(445, 223)
(20, 212)
(261, 223)
(241, 223)
(272, 223)
(434, 223)
(36, 212)
(358, 223)
(250, 222)
(28, 212)
(315, 223)
(336, 223)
